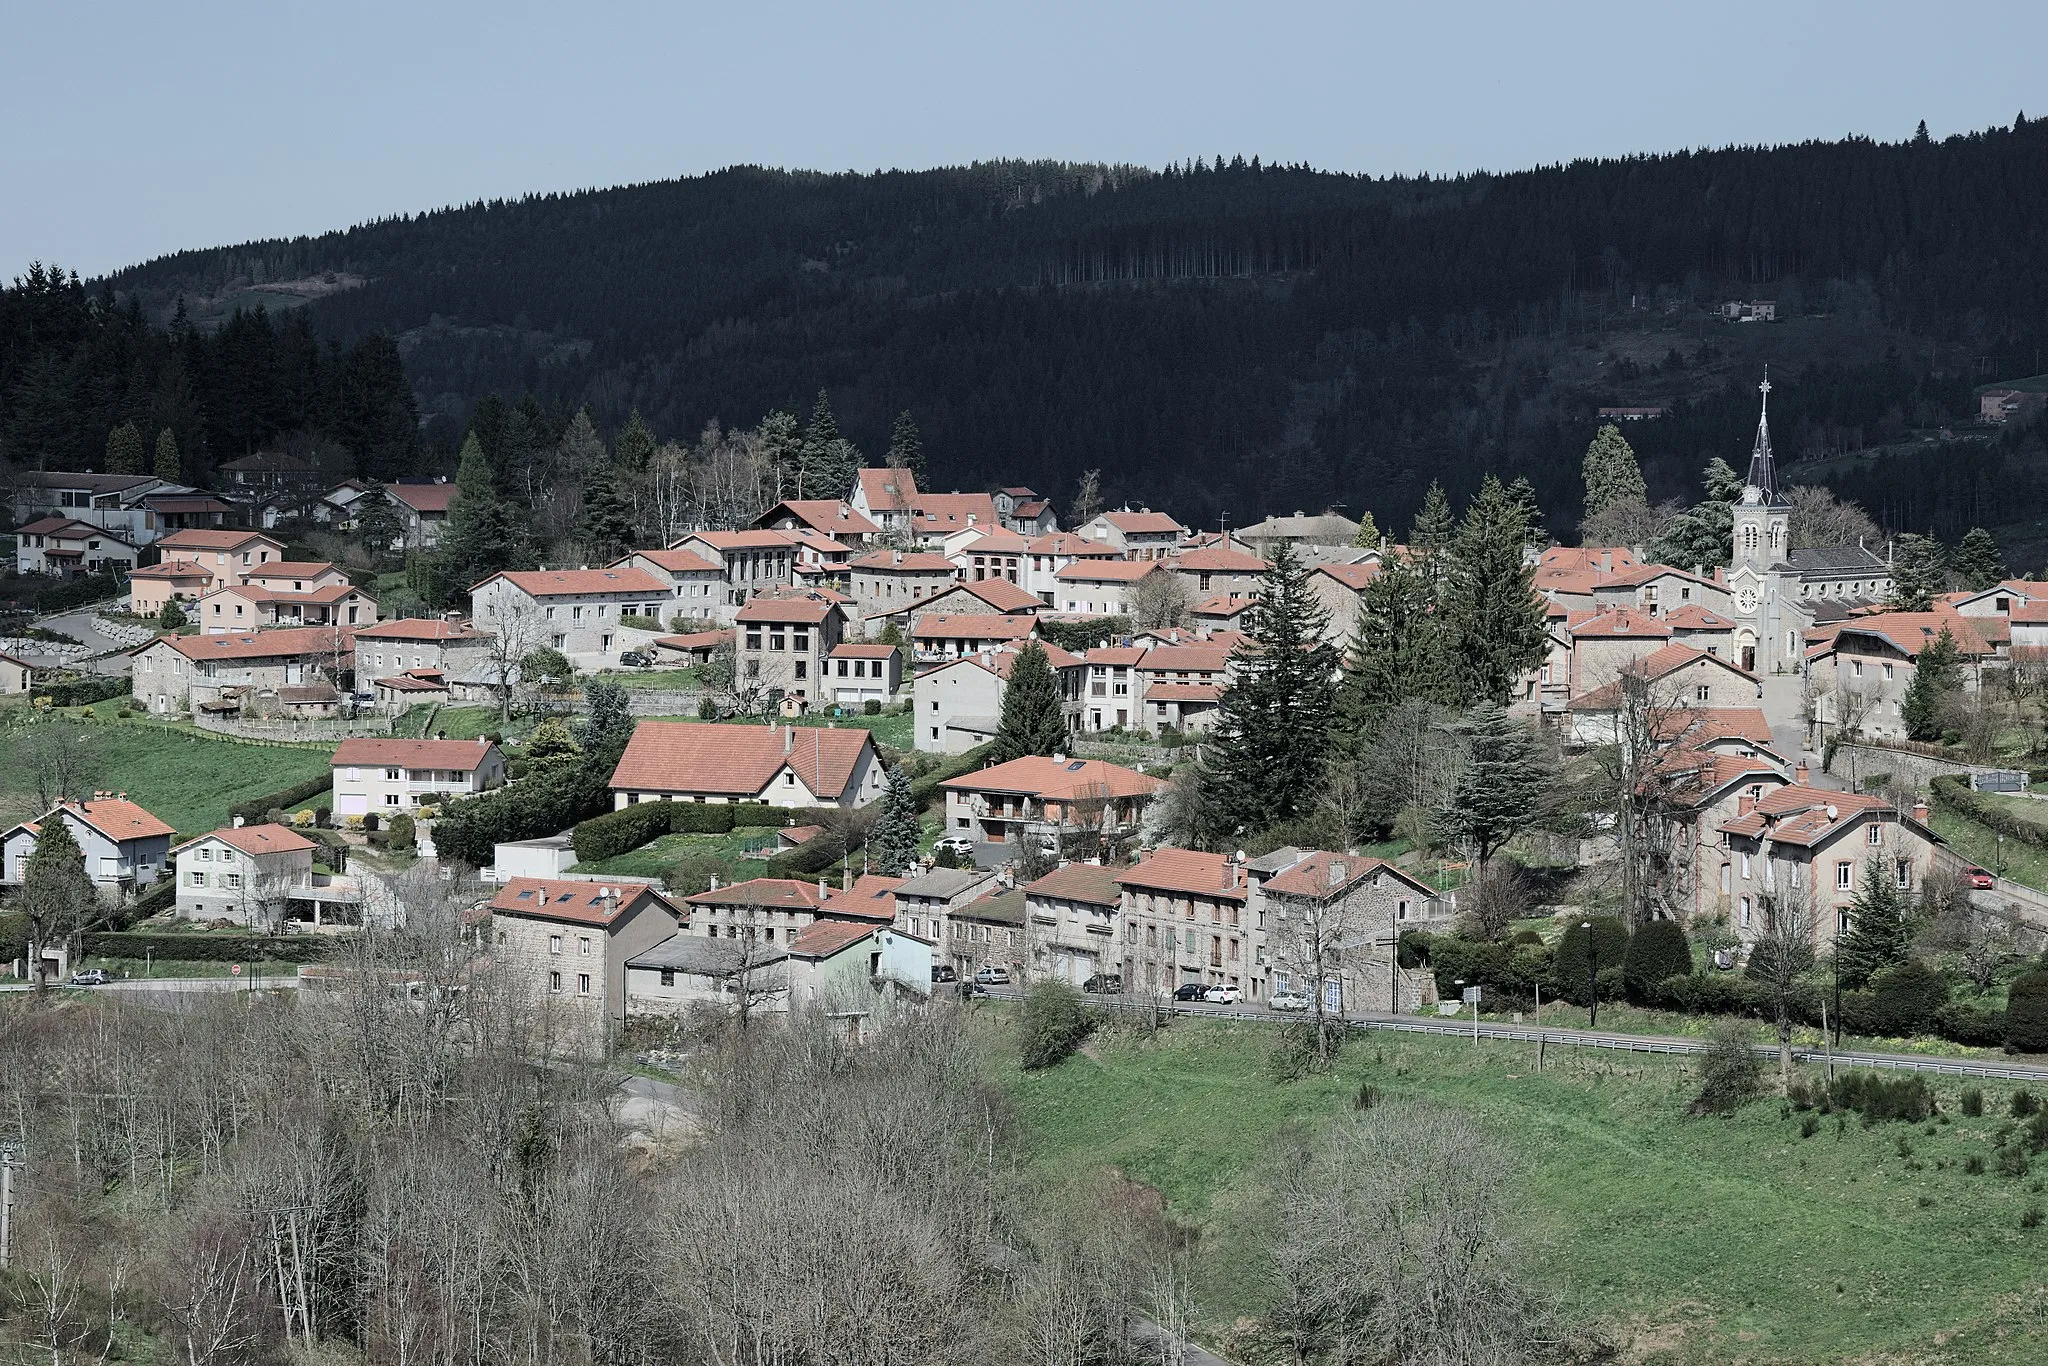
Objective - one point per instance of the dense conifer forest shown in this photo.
(1223, 337)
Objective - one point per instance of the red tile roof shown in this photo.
(1352, 576)
(286, 642)
(293, 569)
(1220, 605)
(943, 512)
(117, 818)
(1323, 874)
(1635, 575)
(420, 628)
(1187, 871)
(828, 515)
(823, 938)
(1191, 658)
(1089, 882)
(1585, 557)
(1065, 779)
(268, 838)
(597, 904)
(579, 583)
(804, 609)
(1797, 814)
(738, 761)
(1693, 617)
(70, 528)
(697, 640)
(1143, 523)
(1700, 724)
(1000, 594)
(725, 541)
(672, 561)
(858, 651)
(1659, 663)
(195, 539)
(461, 756)
(1910, 632)
(905, 562)
(775, 893)
(977, 626)
(423, 497)
(890, 490)
(1184, 692)
(994, 540)
(1067, 543)
(1108, 571)
(1219, 559)
(872, 897)
(1615, 623)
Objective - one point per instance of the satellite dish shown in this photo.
(1832, 813)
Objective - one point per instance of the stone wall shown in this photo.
(1855, 763)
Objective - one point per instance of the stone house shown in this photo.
(1042, 798)
(1072, 922)
(1227, 568)
(884, 582)
(246, 671)
(422, 512)
(1140, 535)
(1807, 848)
(783, 641)
(1659, 590)
(391, 648)
(1332, 922)
(924, 902)
(943, 636)
(1101, 588)
(566, 945)
(392, 776)
(749, 562)
(244, 873)
(575, 611)
(987, 931)
(1021, 510)
(1871, 662)
(124, 846)
(696, 584)
(1186, 919)
(1676, 677)
(778, 765)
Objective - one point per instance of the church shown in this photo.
(1779, 593)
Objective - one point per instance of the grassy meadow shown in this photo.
(1693, 1240)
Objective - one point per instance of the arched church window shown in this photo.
(1777, 534)
(1749, 538)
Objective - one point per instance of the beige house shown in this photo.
(1675, 677)
(1101, 588)
(778, 765)
(1862, 677)
(303, 595)
(453, 649)
(696, 584)
(1225, 567)
(290, 668)
(1073, 922)
(783, 641)
(939, 637)
(245, 873)
(1186, 919)
(1339, 589)
(1806, 848)
(566, 944)
(1140, 535)
(1605, 643)
(576, 611)
(1047, 555)
(15, 675)
(749, 562)
(392, 776)
(958, 704)
(1659, 590)
(1042, 798)
(153, 585)
(227, 557)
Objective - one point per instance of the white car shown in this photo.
(1287, 999)
(1223, 996)
(993, 976)
(958, 845)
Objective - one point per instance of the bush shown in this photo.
(1973, 1102)
(371, 823)
(1052, 1024)
(1971, 1023)
(1604, 945)
(1656, 951)
(697, 818)
(756, 815)
(2011, 1161)
(1295, 1054)
(207, 948)
(695, 874)
(926, 786)
(871, 707)
(82, 689)
(1902, 1001)
(82, 591)
(257, 809)
(707, 710)
(399, 834)
(2023, 1104)
(471, 827)
(1906, 1098)
(617, 832)
(2026, 1013)
(1730, 1071)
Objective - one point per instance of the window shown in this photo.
(583, 945)
(1887, 673)
(1703, 693)
(1745, 865)
(1845, 876)
(1902, 870)
(554, 943)
(554, 981)
(1873, 833)
(392, 775)
(668, 977)
(196, 878)
(1745, 913)
(582, 984)
(391, 799)
(231, 880)
(206, 855)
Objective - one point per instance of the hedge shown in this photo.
(207, 948)
(257, 810)
(698, 818)
(1953, 791)
(1655, 951)
(926, 786)
(629, 827)
(470, 828)
(2026, 1013)
(84, 690)
(82, 591)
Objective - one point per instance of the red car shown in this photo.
(1978, 878)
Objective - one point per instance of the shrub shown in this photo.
(370, 822)
(1973, 1165)
(1952, 790)
(1971, 1023)
(399, 834)
(617, 832)
(1605, 945)
(1295, 1054)
(206, 948)
(707, 710)
(695, 873)
(698, 818)
(758, 814)
(1729, 1070)
(1052, 1024)
(1973, 1102)
(1879, 1100)
(2011, 1162)
(258, 809)
(2031, 1217)
(1903, 1000)
(2026, 1013)
(2024, 1104)
(82, 689)
(1656, 951)
(871, 707)
(547, 802)
(1809, 1125)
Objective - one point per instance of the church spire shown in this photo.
(1763, 471)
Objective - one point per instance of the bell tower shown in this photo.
(1763, 530)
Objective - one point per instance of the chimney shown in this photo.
(1059, 758)
(788, 738)
(1337, 872)
(1607, 561)
(1920, 810)
(238, 823)
(1744, 804)
(1799, 773)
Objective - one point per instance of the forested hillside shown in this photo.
(1230, 337)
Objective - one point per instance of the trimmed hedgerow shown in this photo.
(618, 832)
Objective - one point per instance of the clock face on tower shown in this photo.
(1746, 599)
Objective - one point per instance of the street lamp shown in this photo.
(1592, 976)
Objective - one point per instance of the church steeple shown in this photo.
(1763, 471)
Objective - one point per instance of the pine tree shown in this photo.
(1611, 473)
(1919, 572)
(377, 524)
(1368, 537)
(1506, 774)
(168, 467)
(892, 846)
(906, 448)
(1396, 650)
(782, 442)
(829, 463)
(1434, 524)
(1492, 617)
(1704, 534)
(1033, 720)
(1880, 929)
(551, 742)
(1273, 728)
(56, 894)
(1937, 672)
(607, 519)
(1978, 561)
(124, 450)
(634, 446)
(581, 449)
(482, 536)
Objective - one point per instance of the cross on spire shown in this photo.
(1763, 470)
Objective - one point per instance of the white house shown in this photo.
(1140, 535)
(244, 873)
(695, 584)
(575, 611)
(64, 547)
(776, 765)
(123, 845)
(1100, 588)
(393, 776)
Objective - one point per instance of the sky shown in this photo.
(138, 129)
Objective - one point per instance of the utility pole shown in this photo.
(10, 1158)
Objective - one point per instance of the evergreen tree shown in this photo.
(124, 450)
(581, 449)
(1033, 721)
(634, 446)
(1880, 929)
(1703, 536)
(172, 618)
(892, 846)
(1919, 572)
(1610, 472)
(906, 448)
(1273, 730)
(377, 524)
(1937, 672)
(1506, 774)
(1368, 537)
(1396, 651)
(607, 518)
(168, 467)
(551, 742)
(1434, 524)
(828, 462)
(56, 894)
(482, 535)
(1491, 613)
(1978, 560)
(782, 443)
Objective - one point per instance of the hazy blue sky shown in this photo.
(131, 129)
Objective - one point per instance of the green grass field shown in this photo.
(2023, 863)
(190, 782)
(655, 859)
(1694, 1240)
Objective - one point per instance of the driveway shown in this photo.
(78, 625)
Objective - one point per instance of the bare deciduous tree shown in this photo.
(1160, 601)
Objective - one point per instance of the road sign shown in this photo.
(1471, 996)
(236, 970)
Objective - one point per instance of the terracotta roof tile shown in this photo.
(460, 756)
(1188, 871)
(597, 904)
(775, 893)
(579, 583)
(1065, 779)
(1088, 882)
(738, 761)
(268, 838)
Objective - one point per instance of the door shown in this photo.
(1749, 658)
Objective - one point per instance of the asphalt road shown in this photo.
(170, 986)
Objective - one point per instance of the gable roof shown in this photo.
(1190, 871)
(940, 512)
(1352, 576)
(69, 528)
(905, 562)
(1616, 623)
(802, 608)
(1219, 559)
(179, 571)
(1056, 780)
(972, 626)
(1194, 657)
(578, 583)
(776, 893)
(420, 628)
(1087, 882)
(1071, 543)
(1322, 874)
(1109, 571)
(268, 838)
(824, 938)
(994, 540)
(1693, 617)
(726, 541)
(1143, 523)
(1000, 594)
(1659, 663)
(828, 515)
(738, 761)
(674, 561)
(872, 898)
(1798, 814)
(423, 497)
(198, 538)
(286, 642)
(597, 904)
(115, 817)
(889, 490)
(461, 756)
(1910, 632)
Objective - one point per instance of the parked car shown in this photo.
(989, 975)
(1979, 878)
(89, 977)
(1105, 984)
(1189, 991)
(1287, 999)
(942, 972)
(958, 845)
(970, 991)
(636, 659)
(1223, 996)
